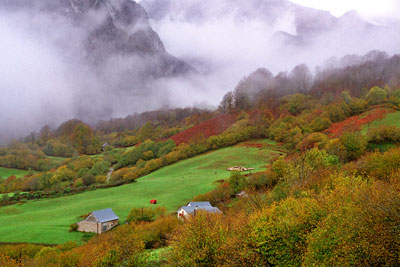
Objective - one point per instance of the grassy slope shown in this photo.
(6, 172)
(57, 159)
(389, 119)
(46, 221)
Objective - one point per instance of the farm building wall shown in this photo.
(85, 226)
(94, 227)
(105, 226)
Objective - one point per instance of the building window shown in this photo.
(104, 227)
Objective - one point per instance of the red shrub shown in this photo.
(354, 123)
(205, 129)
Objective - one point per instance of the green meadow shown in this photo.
(6, 172)
(391, 119)
(47, 221)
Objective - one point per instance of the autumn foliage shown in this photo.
(354, 123)
(211, 127)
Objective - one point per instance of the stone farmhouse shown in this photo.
(99, 221)
(192, 207)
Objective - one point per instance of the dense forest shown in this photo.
(331, 199)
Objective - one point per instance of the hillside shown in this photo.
(327, 193)
(47, 221)
(322, 147)
(366, 120)
(214, 126)
(6, 172)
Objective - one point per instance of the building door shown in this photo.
(104, 228)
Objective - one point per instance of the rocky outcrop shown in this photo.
(108, 28)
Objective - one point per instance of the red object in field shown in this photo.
(153, 201)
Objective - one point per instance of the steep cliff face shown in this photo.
(88, 59)
(108, 28)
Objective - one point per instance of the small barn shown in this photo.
(192, 207)
(99, 221)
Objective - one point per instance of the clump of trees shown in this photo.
(145, 214)
(24, 156)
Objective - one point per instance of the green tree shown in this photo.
(83, 139)
(44, 135)
(354, 144)
(145, 214)
(227, 103)
(237, 182)
(147, 131)
(296, 103)
(376, 95)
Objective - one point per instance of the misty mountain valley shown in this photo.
(199, 133)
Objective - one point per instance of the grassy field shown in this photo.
(6, 172)
(392, 119)
(57, 160)
(47, 221)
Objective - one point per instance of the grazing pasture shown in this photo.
(7, 172)
(391, 119)
(48, 220)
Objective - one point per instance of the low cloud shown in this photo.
(48, 77)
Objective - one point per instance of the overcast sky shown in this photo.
(366, 8)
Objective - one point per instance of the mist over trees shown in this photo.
(97, 60)
(376, 68)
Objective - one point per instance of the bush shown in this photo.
(145, 214)
(148, 155)
(361, 228)
(78, 182)
(101, 179)
(279, 233)
(101, 167)
(357, 106)
(376, 95)
(82, 172)
(313, 140)
(211, 240)
(130, 174)
(154, 234)
(118, 175)
(88, 179)
(220, 194)
(383, 134)
(237, 182)
(263, 180)
(280, 168)
(381, 165)
(320, 123)
(73, 227)
(354, 145)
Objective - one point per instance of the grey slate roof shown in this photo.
(105, 215)
(199, 204)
